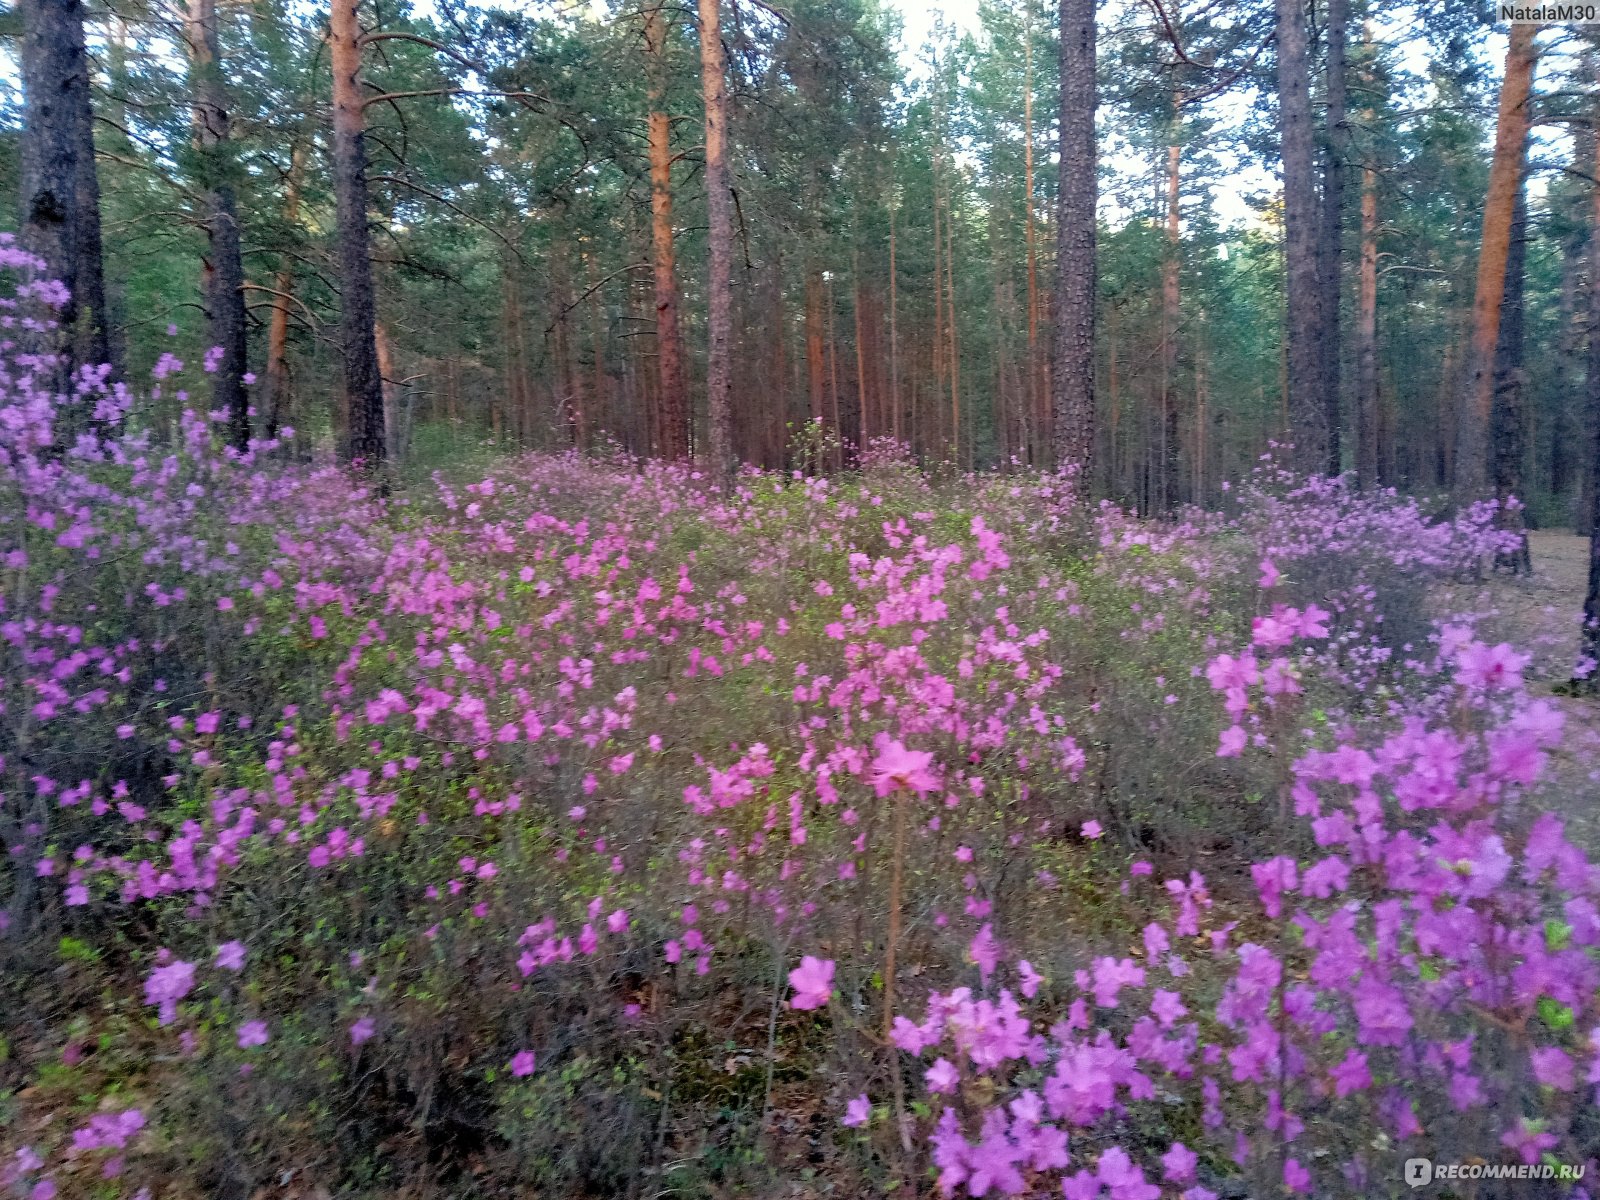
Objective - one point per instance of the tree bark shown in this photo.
(1474, 407)
(276, 401)
(224, 298)
(1591, 600)
(1072, 385)
(1335, 151)
(60, 192)
(1306, 397)
(1367, 336)
(1508, 444)
(363, 383)
(816, 384)
(719, 208)
(672, 417)
(1171, 316)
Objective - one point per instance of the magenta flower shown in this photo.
(1490, 668)
(361, 1030)
(252, 1033)
(1178, 1164)
(812, 981)
(1231, 743)
(230, 955)
(857, 1112)
(985, 951)
(898, 767)
(1092, 830)
(165, 986)
(522, 1064)
(942, 1076)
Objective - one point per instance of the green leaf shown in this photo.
(1554, 1014)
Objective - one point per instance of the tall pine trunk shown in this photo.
(363, 383)
(276, 402)
(1306, 394)
(1335, 151)
(1036, 413)
(1072, 386)
(672, 417)
(224, 299)
(1171, 316)
(1474, 405)
(1591, 601)
(719, 210)
(1508, 444)
(60, 192)
(1367, 336)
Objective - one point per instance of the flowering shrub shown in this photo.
(576, 824)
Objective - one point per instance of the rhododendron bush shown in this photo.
(581, 827)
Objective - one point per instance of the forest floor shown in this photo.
(1541, 615)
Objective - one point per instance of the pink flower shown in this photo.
(812, 981)
(230, 955)
(361, 1030)
(1231, 743)
(942, 1076)
(1553, 1068)
(1178, 1163)
(898, 767)
(617, 921)
(1269, 575)
(1490, 668)
(252, 1033)
(1031, 979)
(1295, 1177)
(1092, 830)
(984, 951)
(522, 1063)
(857, 1112)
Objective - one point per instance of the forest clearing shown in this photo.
(740, 601)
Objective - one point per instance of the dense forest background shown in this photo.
(539, 232)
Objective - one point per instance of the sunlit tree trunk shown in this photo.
(719, 208)
(224, 299)
(1591, 601)
(363, 383)
(1306, 395)
(1474, 407)
(275, 399)
(672, 418)
(1072, 400)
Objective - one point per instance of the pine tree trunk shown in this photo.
(1072, 385)
(719, 208)
(1335, 151)
(60, 192)
(276, 401)
(1591, 601)
(224, 298)
(816, 383)
(1474, 407)
(1367, 336)
(1034, 417)
(1171, 316)
(672, 419)
(1306, 394)
(363, 382)
(1508, 444)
